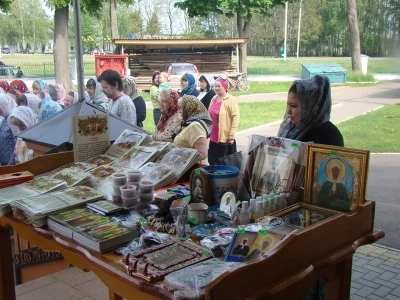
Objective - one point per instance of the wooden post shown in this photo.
(7, 286)
(339, 288)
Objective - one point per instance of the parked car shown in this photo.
(27, 51)
(7, 71)
(48, 51)
(5, 50)
(176, 70)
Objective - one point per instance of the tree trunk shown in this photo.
(354, 36)
(113, 19)
(61, 47)
(243, 27)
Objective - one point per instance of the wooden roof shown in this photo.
(179, 45)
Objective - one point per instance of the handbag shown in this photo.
(235, 159)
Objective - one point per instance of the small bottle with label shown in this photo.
(259, 213)
(252, 209)
(272, 207)
(244, 216)
(283, 200)
(266, 206)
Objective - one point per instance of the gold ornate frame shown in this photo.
(358, 160)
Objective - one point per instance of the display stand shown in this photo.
(321, 251)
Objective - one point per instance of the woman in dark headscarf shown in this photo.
(155, 96)
(196, 126)
(130, 89)
(308, 112)
(189, 87)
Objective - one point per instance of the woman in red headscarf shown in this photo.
(224, 112)
(19, 85)
(4, 85)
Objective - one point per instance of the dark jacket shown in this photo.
(326, 134)
(140, 106)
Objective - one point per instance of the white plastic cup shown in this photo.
(128, 191)
(119, 178)
(134, 176)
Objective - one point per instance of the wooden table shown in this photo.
(321, 251)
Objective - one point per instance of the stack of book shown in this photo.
(15, 178)
(35, 210)
(91, 230)
(137, 157)
(126, 141)
(28, 189)
(105, 207)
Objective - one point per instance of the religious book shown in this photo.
(180, 160)
(159, 174)
(72, 176)
(28, 189)
(35, 210)
(104, 207)
(91, 136)
(136, 157)
(92, 230)
(126, 141)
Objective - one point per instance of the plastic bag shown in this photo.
(146, 240)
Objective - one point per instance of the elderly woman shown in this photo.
(207, 92)
(154, 96)
(308, 112)
(188, 84)
(38, 86)
(196, 126)
(171, 116)
(70, 98)
(20, 119)
(96, 95)
(48, 107)
(130, 89)
(224, 112)
(30, 100)
(52, 91)
(7, 138)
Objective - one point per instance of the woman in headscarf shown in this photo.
(5, 86)
(7, 138)
(19, 85)
(130, 89)
(224, 112)
(196, 126)
(308, 112)
(52, 91)
(70, 98)
(171, 116)
(189, 87)
(38, 86)
(207, 92)
(30, 100)
(96, 95)
(20, 119)
(154, 96)
(48, 107)
(60, 94)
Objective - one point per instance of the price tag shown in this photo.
(295, 145)
(192, 220)
(263, 232)
(220, 212)
(197, 171)
(238, 203)
(333, 153)
(142, 220)
(206, 252)
(240, 231)
(187, 198)
(105, 218)
(181, 239)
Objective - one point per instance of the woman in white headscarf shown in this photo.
(20, 119)
(30, 100)
(7, 138)
(96, 95)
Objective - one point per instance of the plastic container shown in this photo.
(128, 191)
(146, 186)
(130, 202)
(134, 176)
(134, 183)
(116, 189)
(222, 179)
(146, 197)
(119, 178)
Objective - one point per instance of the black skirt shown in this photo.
(218, 150)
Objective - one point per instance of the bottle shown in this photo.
(283, 200)
(272, 207)
(252, 209)
(244, 216)
(266, 205)
(259, 213)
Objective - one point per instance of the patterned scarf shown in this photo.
(7, 104)
(19, 86)
(172, 109)
(129, 86)
(315, 103)
(195, 111)
(5, 86)
(42, 84)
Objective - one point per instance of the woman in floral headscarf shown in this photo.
(96, 95)
(7, 138)
(70, 98)
(130, 89)
(20, 119)
(5, 86)
(171, 116)
(38, 85)
(49, 107)
(196, 126)
(30, 100)
(19, 85)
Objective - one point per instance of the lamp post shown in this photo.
(285, 39)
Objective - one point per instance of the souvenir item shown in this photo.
(155, 263)
(336, 177)
(198, 213)
(134, 175)
(199, 187)
(227, 205)
(128, 191)
(264, 242)
(240, 245)
(119, 179)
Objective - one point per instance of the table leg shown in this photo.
(339, 288)
(7, 286)
(113, 296)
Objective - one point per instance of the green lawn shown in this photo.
(266, 112)
(377, 131)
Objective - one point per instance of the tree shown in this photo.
(113, 19)
(243, 10)
(153, 27)
(354, 36)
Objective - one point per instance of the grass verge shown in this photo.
(376, 131)
(267, 112)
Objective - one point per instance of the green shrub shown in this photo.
(358, 77)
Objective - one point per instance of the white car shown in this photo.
(48, 51)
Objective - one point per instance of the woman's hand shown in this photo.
(231, 139)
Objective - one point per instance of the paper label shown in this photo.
(187, 198)
(197, 171)
(240, 231)
(262, 232)
(333, 152)
(192, 219)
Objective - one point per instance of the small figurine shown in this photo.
(181, 224)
